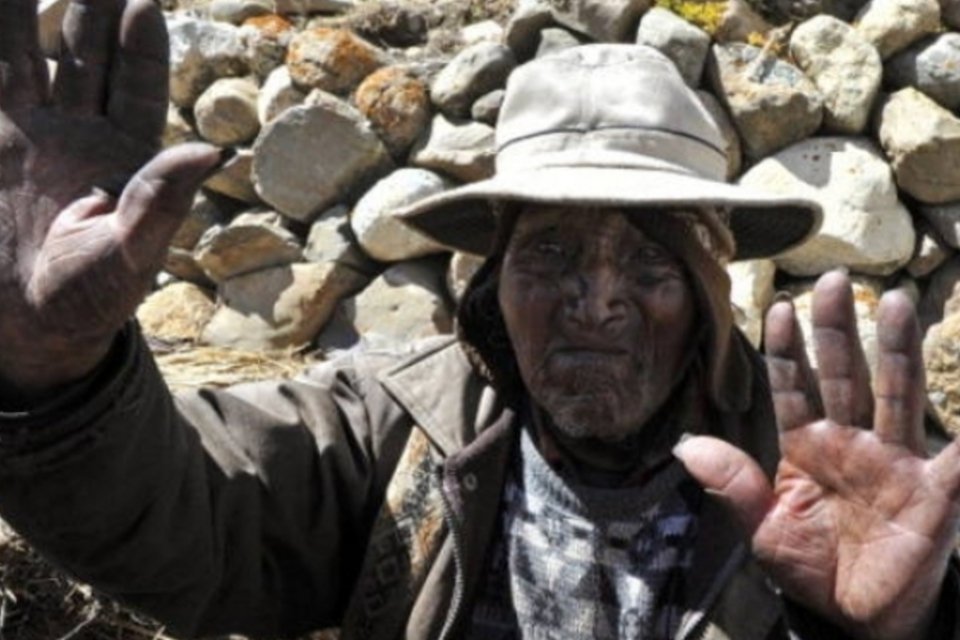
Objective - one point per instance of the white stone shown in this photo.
(685, 44)
(226, 112)
(475, 71)
(277, 95)
(486, 31)
(865, 227)
(892, 25)
(751, 294)
(201, 52)
(465, 150)
(374, 221)
(234, 179)
(251, 242)
(602, 20)
(845, 68)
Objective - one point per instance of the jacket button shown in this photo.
(470, 482)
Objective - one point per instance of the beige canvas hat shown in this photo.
(611, 125)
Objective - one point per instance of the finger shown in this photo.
(844, 376)
(139, 79)
(900, 388)
(89, 35)
(23, 71)
(158, 198)
(795, 399)
(731, 475)
(945, 470)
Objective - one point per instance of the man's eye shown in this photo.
(550, 248)
(650, 255)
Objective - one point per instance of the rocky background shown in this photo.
(341, 111)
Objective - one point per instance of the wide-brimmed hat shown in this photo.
(611, 125)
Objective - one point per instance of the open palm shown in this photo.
(82, 227)
(859, 524)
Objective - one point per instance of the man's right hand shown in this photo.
(85, 213)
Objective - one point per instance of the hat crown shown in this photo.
(607, 105)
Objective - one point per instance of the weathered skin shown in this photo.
(858, 526)
(75, 262)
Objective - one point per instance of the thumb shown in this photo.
(159, 196)
(730, 474)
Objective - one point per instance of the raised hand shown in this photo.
(74, 259)
(859, 523)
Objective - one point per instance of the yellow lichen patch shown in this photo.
(706, 14)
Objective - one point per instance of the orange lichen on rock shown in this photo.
(397, 104)
(333, 60)
(271, 26)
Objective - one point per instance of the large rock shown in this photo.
(556, 39)
(866, 299)
(374, 221)
(522, 33)
(677, 39)
(602, 20)
(922, 140)
(932, 66)
(464, 150)
(202, 52)
(407, 302)
(473, 72)
(333, 60)
(772, 103)
(176, 313)
(308, 7)
(180, 264)
(267, 38)
(397, 104)
(226, 112)
(737, 21)
(849, 87)
(251, 242)
(751, 294)
(331, 239)
(865, 226)
(487, 108)
(279, 307)
(892, 25)
(236, 11)
(315, 155)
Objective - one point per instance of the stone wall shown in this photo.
(341, 111)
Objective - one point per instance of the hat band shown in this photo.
(614, 147)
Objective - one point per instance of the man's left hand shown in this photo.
(859, 523)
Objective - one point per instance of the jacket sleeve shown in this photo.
(244, 510)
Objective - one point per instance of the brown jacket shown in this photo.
(361, 494)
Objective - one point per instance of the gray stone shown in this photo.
(202, 52)
(236, 11)
(931, 251)
(226, 112)
(207, 211)
(486, 31)
(407, 302)
(865, 226)
(280, 307)
(772, 103)
(464, 150)
(332, 240)
(731, 139)
(267, 39)
(893, 25)
(849, 88)
(178, 129)
(234, 179)
(309, 7)
(555, 39)
(932, 66)
(251, 242)
(374, 221)
(922, 140)
(487, 108)
(397, 104)
(602, 20)
(751, 294)
(682, 42)
(315, 155)
(945, 219)
(277, 95)
(523, 30)
(473, 72)
(739, 23)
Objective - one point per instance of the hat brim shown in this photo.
(763, 224)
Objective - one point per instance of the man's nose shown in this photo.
(595, 299)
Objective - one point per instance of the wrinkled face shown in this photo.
(599, 316)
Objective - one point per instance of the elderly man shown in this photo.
(596, 456)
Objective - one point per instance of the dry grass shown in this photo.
(186, 368)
